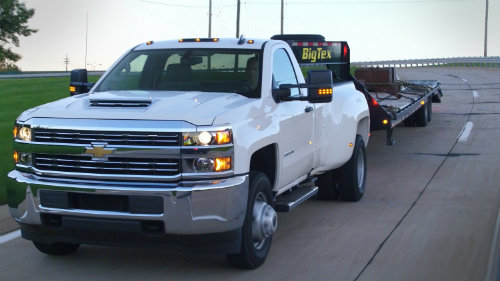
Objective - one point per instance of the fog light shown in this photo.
(25, 158)
(204, 165)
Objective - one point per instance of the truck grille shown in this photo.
(110, 137)
(114, 165)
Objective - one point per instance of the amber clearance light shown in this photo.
(323, 92)
(222, 164)
(16, 156)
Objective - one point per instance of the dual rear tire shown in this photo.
(347, 182)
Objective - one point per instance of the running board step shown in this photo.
(293, 199)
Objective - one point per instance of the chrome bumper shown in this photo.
(189, 208)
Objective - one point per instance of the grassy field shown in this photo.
(17, 95)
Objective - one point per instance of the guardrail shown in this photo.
(464, 61)
(44, 75)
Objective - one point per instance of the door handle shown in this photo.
(308, 109)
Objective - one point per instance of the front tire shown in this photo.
(353, 173)
(57, 248)
(256, 241)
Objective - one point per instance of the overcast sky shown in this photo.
(374, 29)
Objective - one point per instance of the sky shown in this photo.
(374, 29)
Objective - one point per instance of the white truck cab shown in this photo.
(193, 143)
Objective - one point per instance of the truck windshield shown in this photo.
(205, 70)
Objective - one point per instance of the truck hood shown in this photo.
(198, 108)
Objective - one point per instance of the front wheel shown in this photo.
(260, 223)
(353, 173)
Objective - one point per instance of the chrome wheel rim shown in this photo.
(264, 221)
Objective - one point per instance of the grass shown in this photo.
(16, 96)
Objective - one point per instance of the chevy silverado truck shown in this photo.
(192, 143)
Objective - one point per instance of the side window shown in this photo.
(283, 72)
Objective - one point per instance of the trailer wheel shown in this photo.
(422, 116)
(353, 173)
(56, 249)
(328, 185)
(259, 226)
(410, 121)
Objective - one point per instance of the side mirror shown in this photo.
(281, 93)
(78, 83)
(319, 85)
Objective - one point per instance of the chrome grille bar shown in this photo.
(115, 165)
(112, 138)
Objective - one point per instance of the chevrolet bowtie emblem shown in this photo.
(99, 150)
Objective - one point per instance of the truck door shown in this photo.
(296, 124)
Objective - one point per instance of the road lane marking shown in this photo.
(10, 236)
(464, 134)
(475, 94)
(465, 80)
(493, 264)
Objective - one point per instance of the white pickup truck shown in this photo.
(194, 143)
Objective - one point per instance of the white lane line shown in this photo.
(465, 80)
(475, 94)
(464, 135)
(493, 264)
(10, 236)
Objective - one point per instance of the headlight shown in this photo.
(207, 138)
(22, 133)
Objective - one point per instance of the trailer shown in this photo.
(391, 102)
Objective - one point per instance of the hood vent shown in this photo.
(120, 103)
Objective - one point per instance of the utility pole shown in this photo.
(66, 62)
(486, 31)
(209, 18)
(282, 11)
(86, 37)
(238, 20)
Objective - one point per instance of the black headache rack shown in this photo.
(313, 51)
(390, 102)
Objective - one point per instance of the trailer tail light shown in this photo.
(374, 102)
(345, 51)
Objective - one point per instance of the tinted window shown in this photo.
(204, 70)
(283, 72)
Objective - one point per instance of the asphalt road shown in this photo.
(430, 211)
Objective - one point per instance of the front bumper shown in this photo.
(187, 208)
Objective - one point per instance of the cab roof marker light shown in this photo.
(197, 39)
(215, 39)
(250, 41)
(181, 40)
(149, 43)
